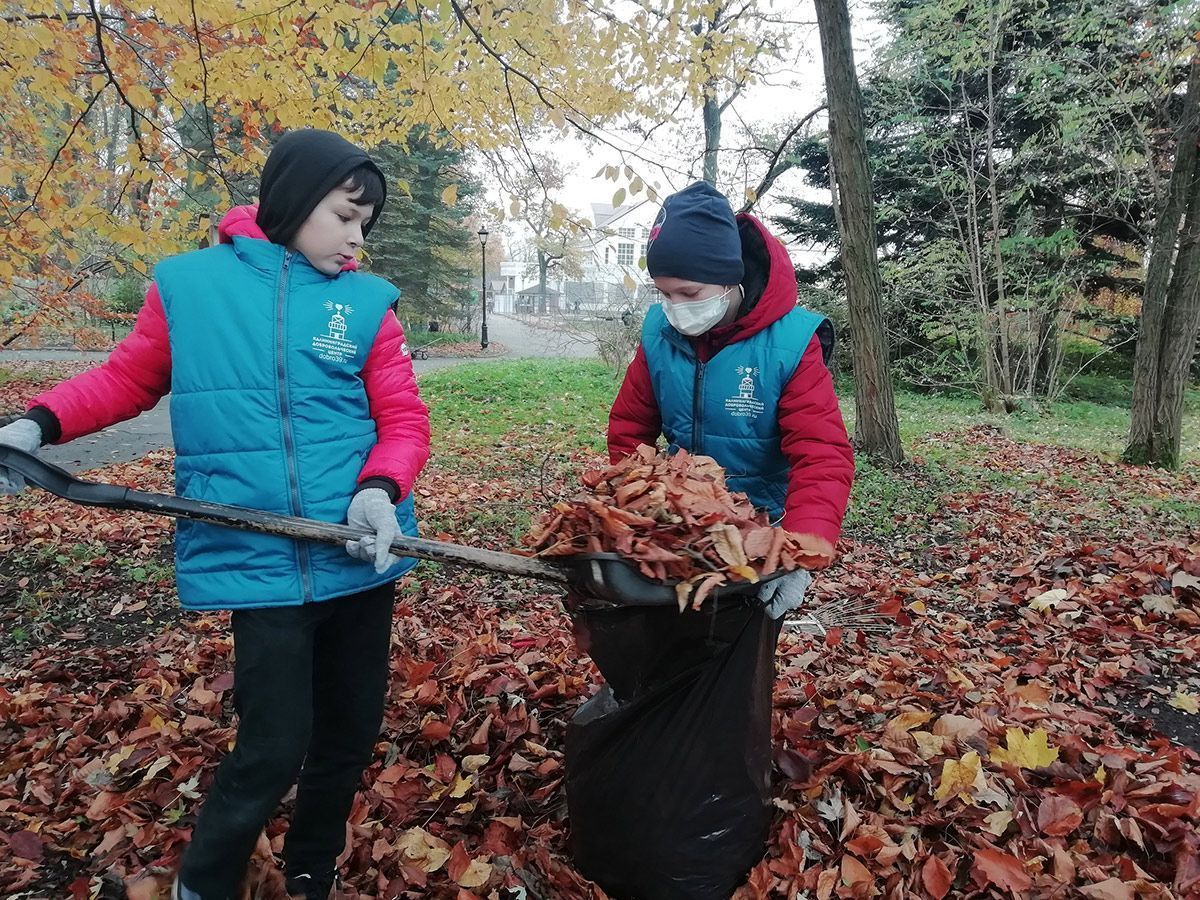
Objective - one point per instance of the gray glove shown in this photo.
(372, 509)
(785, 593)
(23, 434)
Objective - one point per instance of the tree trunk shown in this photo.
(876, 427)
(1166, 305)
(1004, 363)
(712, 138)
(1178, 337)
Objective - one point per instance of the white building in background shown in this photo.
(613, 280)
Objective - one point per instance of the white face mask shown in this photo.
(695, 317)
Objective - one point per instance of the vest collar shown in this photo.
(268, 257)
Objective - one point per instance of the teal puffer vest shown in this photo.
(727, 408)
(268, 411)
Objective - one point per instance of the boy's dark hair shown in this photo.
(303, 167)
(368, 179)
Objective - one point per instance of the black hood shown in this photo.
(302, 168)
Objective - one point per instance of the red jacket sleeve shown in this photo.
(132, 380)
(401, 418)
(635, 418)
(813, 436)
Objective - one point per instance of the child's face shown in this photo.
(333, 232)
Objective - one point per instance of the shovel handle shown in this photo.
(89, 493)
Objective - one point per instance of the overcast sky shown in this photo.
(790, 95)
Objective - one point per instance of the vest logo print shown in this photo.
(743, 404)
(333, 346)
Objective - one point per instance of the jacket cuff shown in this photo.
(820, 527)
(383, 483)
(48, 422)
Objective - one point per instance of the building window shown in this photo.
(645, 233)
(625, 232)
(607, 253)
(625, 254)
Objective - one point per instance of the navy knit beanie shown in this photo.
(695, 237)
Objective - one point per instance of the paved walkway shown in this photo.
(152, 430)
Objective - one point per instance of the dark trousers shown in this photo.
(309, 688)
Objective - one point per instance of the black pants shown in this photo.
(309, 688)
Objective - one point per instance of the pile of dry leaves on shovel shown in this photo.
(674, 516)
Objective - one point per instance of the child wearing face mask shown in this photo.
(731, 367)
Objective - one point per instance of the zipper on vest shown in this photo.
(698, 409)
(289, 438)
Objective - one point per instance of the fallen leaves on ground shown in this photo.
(986, 748)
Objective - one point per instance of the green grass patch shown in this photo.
(561, 405)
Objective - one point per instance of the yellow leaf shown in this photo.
(998, 822)
(957, 677)
(473, 764)
(423, 850)
(630, 284)
(1101, 775)
(618, 198)
(635, 186)
(476, 874)
(1030, 751)
(461, 786)
(909, 720)
(139, 96)
(745, 572)
(958, 777)
(1048, 600)
(1189, 703)
(450, 195)
(929, 745)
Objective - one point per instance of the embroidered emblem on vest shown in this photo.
(333, 346)
(745, 405)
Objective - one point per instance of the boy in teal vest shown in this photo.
(292, 390)
(730, 367)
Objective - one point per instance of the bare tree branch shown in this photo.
(774, 168)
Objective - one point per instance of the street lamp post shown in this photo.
(483, 236)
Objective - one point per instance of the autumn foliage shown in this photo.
(674, 516)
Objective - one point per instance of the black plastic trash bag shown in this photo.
(669, 765)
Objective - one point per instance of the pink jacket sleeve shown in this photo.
(401, 418)
(132, 380)
(635, 417)
(814, 440)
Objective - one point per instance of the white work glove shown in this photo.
(372, 509)
(785, 593)
(23, 434)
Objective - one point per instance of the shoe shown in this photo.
(313, 887)
(179, 892)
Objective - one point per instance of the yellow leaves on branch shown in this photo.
(159, 109)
